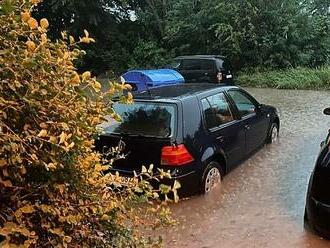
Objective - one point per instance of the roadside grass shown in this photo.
(298, 78)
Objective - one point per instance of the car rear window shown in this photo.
(197, 64)
(143, 118)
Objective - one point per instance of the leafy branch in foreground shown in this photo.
(53, 189)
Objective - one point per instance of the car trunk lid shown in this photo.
(135, 151)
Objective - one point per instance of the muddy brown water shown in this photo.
(261, 202)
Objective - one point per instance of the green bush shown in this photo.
(54, 189)
(299, 78)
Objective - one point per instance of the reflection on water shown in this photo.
(261, 202)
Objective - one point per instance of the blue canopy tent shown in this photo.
(142, 80)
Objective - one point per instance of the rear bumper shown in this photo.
(189, 181)
(317, 217)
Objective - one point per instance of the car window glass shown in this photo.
(143, 118)
(220, 64)
(216, 111)
(206, 64)
(191, 64)
(175, 64)
(244, 105)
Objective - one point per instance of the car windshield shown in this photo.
(143, 118)
(175, 64)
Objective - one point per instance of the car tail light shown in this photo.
(175, 155)
(219, 77)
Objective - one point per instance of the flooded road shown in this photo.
(261, 203)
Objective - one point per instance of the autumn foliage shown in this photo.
(53, 192)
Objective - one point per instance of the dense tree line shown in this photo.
(253, 34)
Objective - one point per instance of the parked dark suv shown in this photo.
(197, 131)
(203, 69)
(317, 212)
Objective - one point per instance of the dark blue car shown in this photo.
(317, 212)
(197, 131)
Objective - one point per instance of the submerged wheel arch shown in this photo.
(210, 155)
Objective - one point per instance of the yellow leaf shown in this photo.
(151, 167)
(62, 137)
(51, 166)
(98, 167)
(34, 2)
(86, 33)
(44, 38)
(25, 16)
(128, 87)
(42, 133)
(71, 39)
(57, 231)
(27, 209)
(71, 145)
(34, 157)
(75, 80)
(65, 126)
(176, 196)
(44, 23)
(144, 169)
(105, 217)
(3, 162)
(86, 75)
(64, 35)
(33, 24)
(67, 239)
(96, 86)
(85, 40)
(31, 46)
(129, 97)
(53, 139)
(176, 185)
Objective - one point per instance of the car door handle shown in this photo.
(220, 138)
(247, 127)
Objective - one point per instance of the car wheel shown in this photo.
(212, 178)
(273, 134)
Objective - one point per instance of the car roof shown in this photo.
(201, 57)
(180, 91)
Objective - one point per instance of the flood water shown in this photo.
(261, 202)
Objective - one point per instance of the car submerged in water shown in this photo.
(317, 211)
(198, 132)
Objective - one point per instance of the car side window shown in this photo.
(216, 110)
(190, 64)
(207, 64)
(244, 105)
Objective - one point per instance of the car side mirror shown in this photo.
(258, 107)
(326, 111)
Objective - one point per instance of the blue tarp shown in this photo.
(143, 79)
